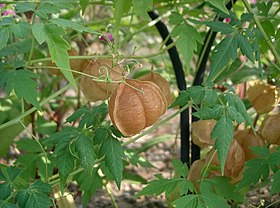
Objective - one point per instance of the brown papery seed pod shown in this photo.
(234, 162)
(247, 138)
(135, 105)
(270, 129)
(75, 64)
(100, 69)
(263, 97)
(201, 132)
(160, 82)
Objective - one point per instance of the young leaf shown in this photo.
(245, 47)
(255, 170)
(188, 201)
(188, 37)
(21, 81)
(275, 188)
(224, 52)
(156, 187)
(218, 26)
(35, 196)
(181, 170)
(220, 4)
(58, 46)
(113, 151)
(223, 133)
(89, 117)
(86, 153)
(4, 37)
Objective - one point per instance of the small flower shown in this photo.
(227, 19)
(8, 12)
(2, 5)
(105, 38)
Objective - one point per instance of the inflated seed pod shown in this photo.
(159, 81)
(100, 69)
(201, 131)
(234, 162)
(75, 64)
(135, 105)
(263, 97)
(247, 138)
(270, 129)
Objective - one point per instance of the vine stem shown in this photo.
(157, 125)
(107, 187)
(256, 20)
(33, 109)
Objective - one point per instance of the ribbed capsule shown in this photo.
(135, 105)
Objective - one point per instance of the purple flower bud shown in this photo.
(105, 38)
(2, 5)
(227, 19)
(8, 12)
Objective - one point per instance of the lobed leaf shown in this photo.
(223, 133)
(4, 37)
(275, 188)
(188, 201)
(219, 26)
(113, 152)
(220, 4)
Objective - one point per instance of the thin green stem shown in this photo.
(42, 148)
(108, 190)
(33, 109)
(207, 165)
(257, 22)
(155, 126)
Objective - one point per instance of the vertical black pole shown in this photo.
(181, 83)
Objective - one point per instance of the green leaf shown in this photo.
(28, 164)
(24, 7)
(214, 201)
(84, 4)
(21, 81)
(182, 99)
(66, 165)
(188, 201)
(223, 133)
(211, 98)
(275, 188)
(219, 26)
(188, 37)
(222, 187)
(58, 46)
(262, 151)
(86, 153)
(185, 186)
(21, 30)
(220, 4)
(100, 134)
(245, 47)
(141, 7)
(73, 25)
(5, 190)
(89, 117)
(46, 8)
(203, 113)
(224, 52)
(176, 18)
(35, 196)
(28, 145)
(5, 204)
(4, 37)
(197, 93)
(181, 170)
(156, 187)
(113, 151)
(255, 170)
(89, 183)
